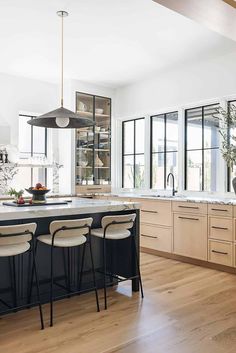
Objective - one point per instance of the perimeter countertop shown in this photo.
(201, 199)
(76, 206)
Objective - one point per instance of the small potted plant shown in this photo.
(18, 195)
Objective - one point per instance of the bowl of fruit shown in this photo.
(38, 193)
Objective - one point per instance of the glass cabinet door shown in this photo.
(93, 145)
(102, 149)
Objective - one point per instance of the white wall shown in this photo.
(191, 85)
(22, 94)
(186, 85)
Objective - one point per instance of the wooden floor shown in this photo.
(186, 309)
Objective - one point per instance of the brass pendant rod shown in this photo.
(62, 60)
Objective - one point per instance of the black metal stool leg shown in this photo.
(31, 280)
(137, 265)
(37, 286)
(69, 272)
(14, 281)
(51, 288)
(104, 273)
(65, 269)
(94, 278)
(82, 268)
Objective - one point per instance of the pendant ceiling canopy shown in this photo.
(61, 117)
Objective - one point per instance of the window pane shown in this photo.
(128, 180)
(139, 135)
(158, 171)
(194, 128)
(172, 165)
(158, 133)
(38, 140)
(128, 137)
(172, 131)
(38, 176)
(194, 170)
(211, 167)
(211, 127)
(139, 171)
(22, 180)
(24, 137)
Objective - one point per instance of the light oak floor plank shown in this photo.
(186, 309)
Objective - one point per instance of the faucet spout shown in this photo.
(173, 183)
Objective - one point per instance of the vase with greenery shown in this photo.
(227, 131)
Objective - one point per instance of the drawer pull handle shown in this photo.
(222, 228)
(94, 188)
(219, 209)
(147, 211)
(192, 207)
(219, 252)
(191, 219)
(149, 236)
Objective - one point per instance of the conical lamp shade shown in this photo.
(61, 118)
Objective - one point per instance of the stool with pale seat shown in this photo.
(17, 240)
(67, 234)
(117, 228)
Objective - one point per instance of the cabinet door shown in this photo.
(156, 238)
(190, 235)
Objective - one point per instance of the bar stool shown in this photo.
(67, 234)
(117, 228)
(16, 240)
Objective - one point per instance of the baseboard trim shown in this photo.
(189, 260)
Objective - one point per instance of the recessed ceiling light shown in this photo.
(231, 2)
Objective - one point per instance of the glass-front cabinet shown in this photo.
(93, 144)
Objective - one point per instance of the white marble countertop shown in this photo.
(156, 196)
(77, 206)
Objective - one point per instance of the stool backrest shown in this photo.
(17, 234)
(127, 222)
(79, 227)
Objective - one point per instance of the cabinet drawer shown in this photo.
(89, 189)
(221, 228)
(220, 252)
(190, 207)
(190, 236)
(156, 212)
(155, 238)
(220, 210)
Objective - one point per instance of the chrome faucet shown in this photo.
(173, 183)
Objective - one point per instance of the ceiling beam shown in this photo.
(217, 15)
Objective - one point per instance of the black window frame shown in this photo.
(31, 153)
(131, 154)
(202, 107)
(165, 115)
(229, 171)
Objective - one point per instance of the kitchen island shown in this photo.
(118, 252)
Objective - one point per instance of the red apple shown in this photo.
(21, 200)
(38, 186)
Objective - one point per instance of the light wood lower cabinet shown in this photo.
(156, 238)
(190, 235)
(221, 228)
(156, 212)
(220, 252)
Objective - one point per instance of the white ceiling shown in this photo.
(109, 42)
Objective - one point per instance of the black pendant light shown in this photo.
(61, 117)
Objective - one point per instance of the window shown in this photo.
(201, 148)
(32, 143)
(164, 148)
(231, 173)
(133, 132)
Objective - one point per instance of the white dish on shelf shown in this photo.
(99, 111)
